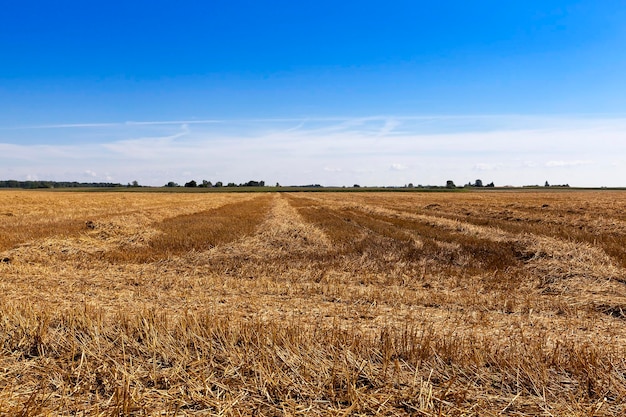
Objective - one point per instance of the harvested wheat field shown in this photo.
(333, 304)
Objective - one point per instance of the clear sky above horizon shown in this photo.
(337, 93)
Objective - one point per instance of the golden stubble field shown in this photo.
(399, 304)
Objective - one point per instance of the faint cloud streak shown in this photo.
(382, 150)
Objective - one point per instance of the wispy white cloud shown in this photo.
(23, 154)
(398, 167)
(64, 126)
(368, 150)
(390, 121)
(529, 164)
(487, 167)
(557, 164)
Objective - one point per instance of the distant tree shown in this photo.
(478, 183)
(491, 184)
(191, 184)
(231, 184)
(171, 184)
(547, 184)
(205, 184)
(219, 184)
(450, 184)
(54, 184)
(410, 185)
(135, 184)
(277, 185)
(261, 183)
(356, 186)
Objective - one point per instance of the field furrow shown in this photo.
(195, 232)
(548, 254)
(560, 216)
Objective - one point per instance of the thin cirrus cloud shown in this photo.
(487, 167)
(558, 164)
(398, 167)
(377, 150)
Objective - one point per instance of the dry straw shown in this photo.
(411, 304)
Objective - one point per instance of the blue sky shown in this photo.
(369, 92)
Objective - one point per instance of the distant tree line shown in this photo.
(30, 185)
(547, 184)
(479, 184)
(209, 184)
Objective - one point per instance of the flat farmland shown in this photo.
(335, 304)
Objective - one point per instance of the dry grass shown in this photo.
(328, 304)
